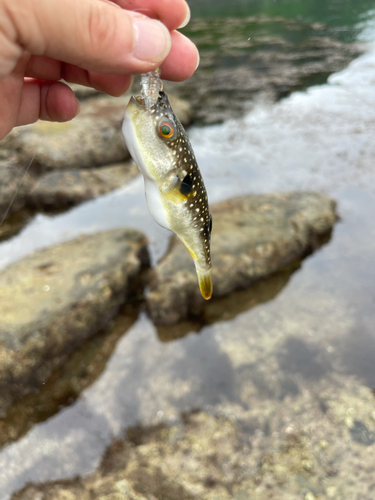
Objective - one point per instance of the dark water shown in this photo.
(305, 335)
(340, 15)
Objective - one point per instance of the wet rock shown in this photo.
(92, 139)
(13, 224)
(13, 179)
(15, 184)
(53, 300)
(64, 188)
(252, 237)
(82, 368)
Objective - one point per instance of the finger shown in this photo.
(173, 13)
(97, 36)
(52, 101)
(179, 65)
(10, 96)
(46, 68)
(182, 60)
(115, 85)
(43, 68)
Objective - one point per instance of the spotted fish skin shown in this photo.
(175, 191)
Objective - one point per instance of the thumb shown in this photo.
(92, 34)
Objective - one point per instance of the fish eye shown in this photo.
(166, 129)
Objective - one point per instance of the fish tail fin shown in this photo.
(205, 282)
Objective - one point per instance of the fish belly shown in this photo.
(155, 203)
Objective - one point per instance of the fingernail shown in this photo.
(198, 59)
(152, 40)
(187, 17)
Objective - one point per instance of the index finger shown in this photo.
(94, 35)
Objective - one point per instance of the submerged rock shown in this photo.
(252, 237)
(56, 298)
(93, 138)
(64, 188)
(273, 451)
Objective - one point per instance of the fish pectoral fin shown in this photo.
(170, 181)
(175, 196)
(170, 188)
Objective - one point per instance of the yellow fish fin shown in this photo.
(175, 196)
(205, 283)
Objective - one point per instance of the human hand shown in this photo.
(96, 43)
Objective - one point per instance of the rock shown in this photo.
(53, 300)
(14, 223)
(92, 139)
(252, 237)
(82, 368)
(64, 188)
(14, 185)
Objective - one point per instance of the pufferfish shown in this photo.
(175, 192)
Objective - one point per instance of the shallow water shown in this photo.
(316, 332)
(320, 326)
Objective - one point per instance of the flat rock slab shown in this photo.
(64, 188)
(93, 138)
(252, 237)
(53, 300)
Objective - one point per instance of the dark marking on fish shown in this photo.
(186, 185)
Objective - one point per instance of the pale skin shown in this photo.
(95, 43)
